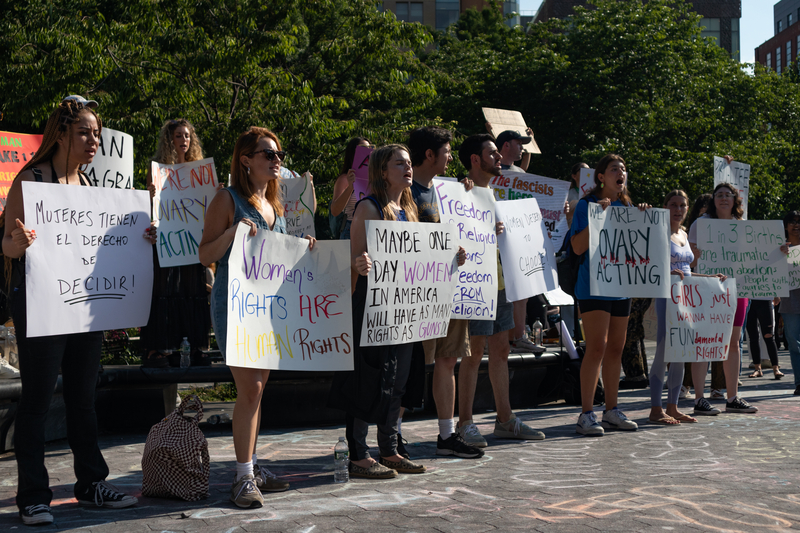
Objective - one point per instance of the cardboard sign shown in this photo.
(112, 166)
(748, 251)
(16, 149)
(473, 214)
(289, 307)
(737, 174)
(550, 195)
(699, 319)
(529, 261)
(361, 166)
(628, 252)
(586, 181)
(183, 193)
(90, 269)
(412, 281)
(794, 267)
(298, 205)
(503, 119)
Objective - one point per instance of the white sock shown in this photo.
(399, 423)
(447, 427)
(697, 400)
(242, 469)
(729, 400)
(255, 460)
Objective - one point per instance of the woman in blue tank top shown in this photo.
(253, 198)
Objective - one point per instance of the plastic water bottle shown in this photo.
(537, 333)
(186, 351)
(341, 460)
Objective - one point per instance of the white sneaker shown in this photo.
(616, 419)
(523, 345)
(7, 371)
(469, 432)
(588, 425)
(684, 394)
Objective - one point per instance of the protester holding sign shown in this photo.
(180, 305)
(71, 138)
(605, 318)
(790, 307)
(372, 392)
(253, 198)
(726, 205)
(343, 198)
(574, 190)
(680, 258)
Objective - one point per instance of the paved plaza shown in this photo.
(732, 472)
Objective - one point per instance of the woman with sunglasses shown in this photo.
(790, 307)
(179, 305)
(253, 198)
(726, 205)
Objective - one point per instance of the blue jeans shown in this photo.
(791, 329)
(345, 235)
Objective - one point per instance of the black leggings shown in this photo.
(762, 312)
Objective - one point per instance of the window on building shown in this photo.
(769, 59)
(788, 53)
(409, 11)
(735, 46)
(710, 28)
(779, 27)
(447, 12)
(778, 60)
(789, 20)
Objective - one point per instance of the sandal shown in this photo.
(665, 420)
(375, 471)
(682, 417)
(778, 374)
(756, 374)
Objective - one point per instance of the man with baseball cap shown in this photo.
(509, 144)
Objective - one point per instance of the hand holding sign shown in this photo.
(22, 236)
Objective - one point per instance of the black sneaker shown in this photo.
(36, 514)
(401, 446)
(703, 408)
(739, 405)
(104, 494)
(455, 445)
(797, 391)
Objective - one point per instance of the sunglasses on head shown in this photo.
(271, 154)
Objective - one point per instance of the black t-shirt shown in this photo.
(427, 206)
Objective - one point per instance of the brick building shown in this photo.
(778, 52)
(439, 14)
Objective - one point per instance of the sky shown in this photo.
(755, 24)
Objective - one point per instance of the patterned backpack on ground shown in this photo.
(175, 462)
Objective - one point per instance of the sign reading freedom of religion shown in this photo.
(748, 250)
(289, 307)
(89, 269)
(298, 205)
(183, 193)
(411, 285)
(737, 174)
(794, 267)
(473, 214)
(628, 252)
(550, 195)
(699, 319)
(529, 261)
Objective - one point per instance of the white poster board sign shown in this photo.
(183, 194)
(473, 214)
(586, 181)
(794, 267)
(90, 268)
(112, 165)
(550, 195)
(298, 205)
(628, 252)
(289, 307)
(699, 319)
(412, 281)
(504, 119)
(748, 250)
(529, 261)
(735, 173)
(361, 168)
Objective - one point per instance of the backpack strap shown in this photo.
(37, 173)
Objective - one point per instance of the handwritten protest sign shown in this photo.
(16, 149)
(735, 173)
(289, 307)
(503, 119)
(412, 281)
(112, 166)
(298, 205)
(550, 195)
(628, 252)
(794, 267)
(529, 261)
(586, 181)
(699, 319)
(748, 251)
(361, 166)
(89, 269)
(473, 214)
(183, 193)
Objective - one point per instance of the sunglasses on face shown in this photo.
(271, 154)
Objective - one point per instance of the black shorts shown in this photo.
(614, 307)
